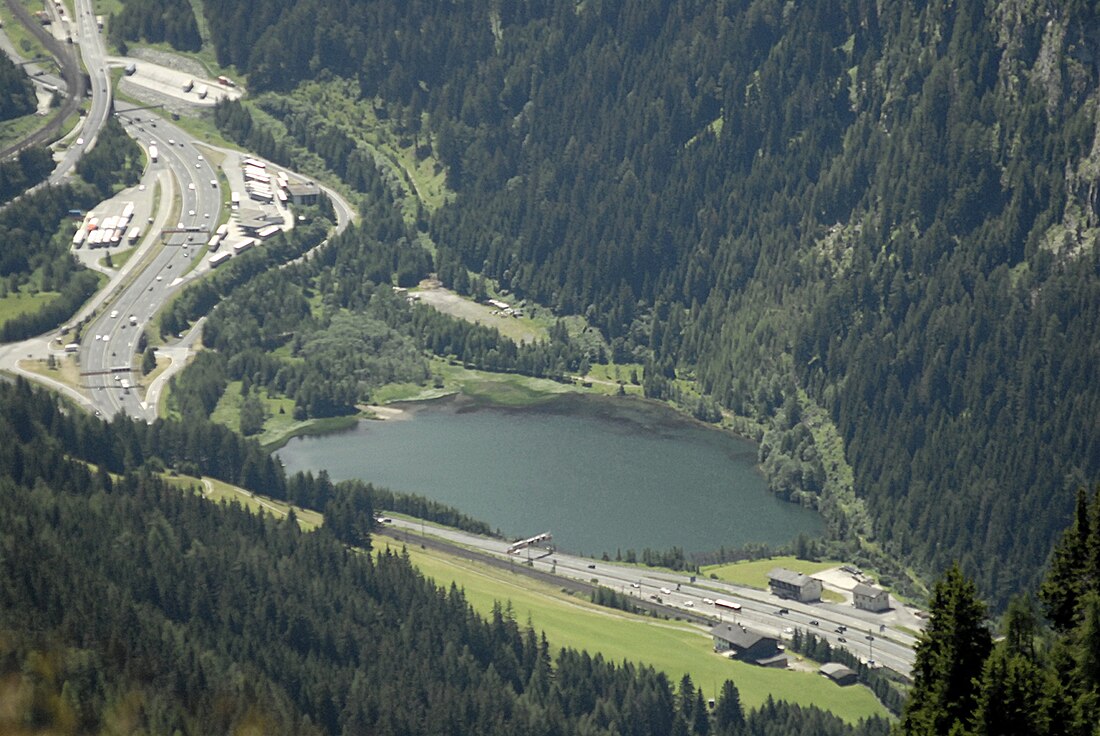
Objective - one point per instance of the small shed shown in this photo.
(794, 585)
(839, 674)
(870, 598)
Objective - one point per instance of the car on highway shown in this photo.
(708, 601)
(842, 640)
(114, 313)
(666, 591)
(80, 141)
(171, 141)
(191, 186)
(814, 622)
(635, 585)
(783, 611)
(689, 604)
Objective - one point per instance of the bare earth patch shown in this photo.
(520, 329)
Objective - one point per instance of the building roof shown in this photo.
(836, 671)
(737, 635)
(790, 577)
(868, 590)
(300, 189)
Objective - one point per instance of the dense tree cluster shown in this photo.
(126, 600)
(1033, 680)
(116, 161)
(35, 256)
(17, 95)
(884, 211)
(153, 21)
(29, 167)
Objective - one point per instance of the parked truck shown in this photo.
(188, 85)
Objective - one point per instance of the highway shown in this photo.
(94, 54)
(111, 339)
(760, 610)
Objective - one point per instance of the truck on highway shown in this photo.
(201, 92)
(188, 85)
(730, 605)
(226, 82)
(133, 321)
(153, 153)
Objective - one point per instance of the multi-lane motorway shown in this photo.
(892, 647)
(111, 339)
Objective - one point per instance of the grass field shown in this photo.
(17, 304)
(217, 491)
(16, 129)
(674, 648)
(754, 573)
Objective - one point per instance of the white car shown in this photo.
(200, 157)
(80, 141)
(191, 186)
(689, 604)
(171, 141)
(114, 313)
(191, 213)
(708, 601)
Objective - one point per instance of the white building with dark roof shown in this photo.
(870, 598)
(794, 585)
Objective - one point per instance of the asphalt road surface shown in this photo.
(111, 340)
(891, 648)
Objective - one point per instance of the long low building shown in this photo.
(794, 585)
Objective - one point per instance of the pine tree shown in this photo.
(729, 716)
(1063, 586)
(950, 657)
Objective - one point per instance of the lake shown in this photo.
(600, 474)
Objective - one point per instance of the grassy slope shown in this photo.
(17, 304)
(754, 573)
(673, 648)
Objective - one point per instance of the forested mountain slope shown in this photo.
(888, 210)
(131, 605)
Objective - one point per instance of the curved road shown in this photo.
(69, 65)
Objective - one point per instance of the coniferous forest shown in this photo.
(883, 212)
(129, 604)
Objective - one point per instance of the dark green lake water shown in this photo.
(601, 475)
